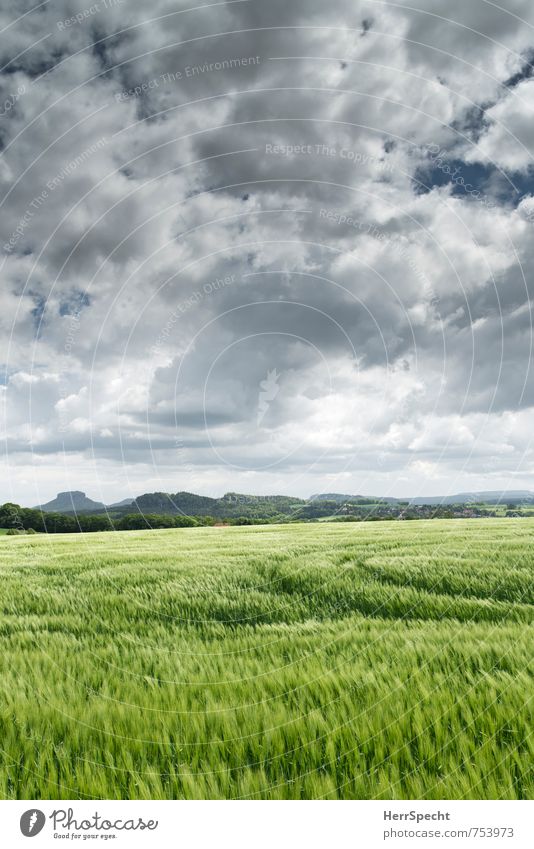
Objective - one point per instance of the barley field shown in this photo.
(385, 660)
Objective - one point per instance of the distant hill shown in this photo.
(124, 503)
(181, 502)
(235, 504)
(333, 496)
(231, 504)
(510, 496)
(341, 498)
(71, 502)
(513, 496)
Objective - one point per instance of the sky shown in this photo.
(266, 247)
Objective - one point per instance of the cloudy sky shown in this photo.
(266, 246)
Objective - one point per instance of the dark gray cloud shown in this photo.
(230, 259)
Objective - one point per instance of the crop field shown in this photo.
(383, 660)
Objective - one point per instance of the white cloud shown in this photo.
(402, 336)
(509, 141)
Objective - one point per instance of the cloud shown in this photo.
(194, 198)
(509, 140)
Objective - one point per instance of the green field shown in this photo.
(383, 660)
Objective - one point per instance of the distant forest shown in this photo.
(186, 510)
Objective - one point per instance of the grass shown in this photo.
(384, 660)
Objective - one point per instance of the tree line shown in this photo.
(22, 520)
